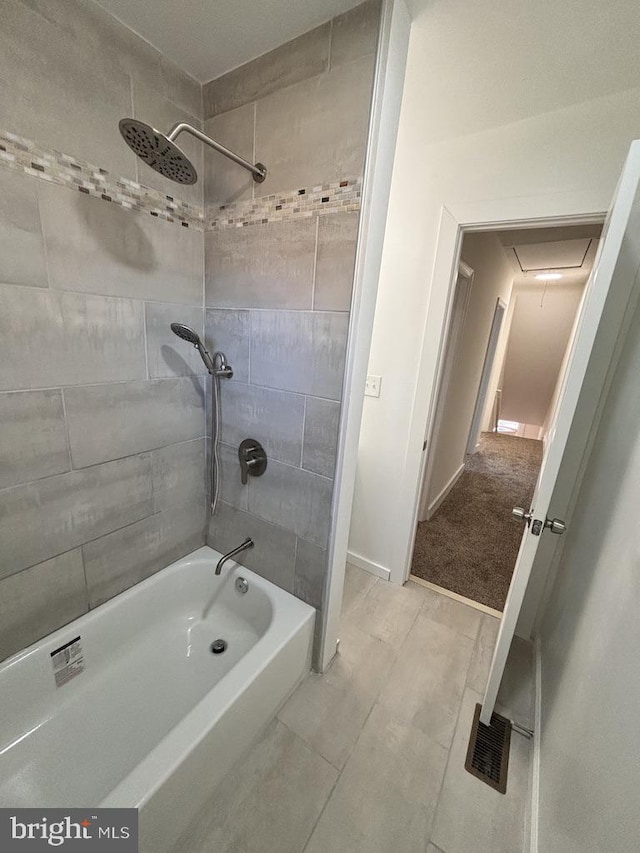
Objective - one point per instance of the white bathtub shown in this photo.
(155, 719)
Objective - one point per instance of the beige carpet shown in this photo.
(471, 543)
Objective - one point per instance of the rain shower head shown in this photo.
(160, 151)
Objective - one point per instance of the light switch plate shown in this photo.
(372, 387)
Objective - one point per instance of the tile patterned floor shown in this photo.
(369, 757)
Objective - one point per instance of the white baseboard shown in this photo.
(534, 815)
(368, 565)
(433, 506)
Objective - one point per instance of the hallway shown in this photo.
(471, 543)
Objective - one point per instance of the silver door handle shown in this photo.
(522, 514)
(555, 525)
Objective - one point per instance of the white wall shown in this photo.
(540, 332)
(491, 281)
(590, 636)
(520, 105)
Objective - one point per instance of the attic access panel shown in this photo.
(558, 255)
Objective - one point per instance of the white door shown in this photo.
(611, 291)
(487, 369)
(458, 316)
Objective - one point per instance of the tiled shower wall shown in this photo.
(102, 449)
(279, 261)
(102, 413)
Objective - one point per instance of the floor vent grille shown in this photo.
(488, 752)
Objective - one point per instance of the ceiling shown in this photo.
(207, 38)
(567, 251)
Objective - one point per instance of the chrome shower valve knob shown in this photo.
(253, 459)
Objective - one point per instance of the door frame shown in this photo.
(502, 215)
(499, 315)
(388, 87)
(453, 339)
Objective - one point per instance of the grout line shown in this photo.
(146, 341)
(72, 470)
(283, 390)
(86, 582)
(249, 349)
(304, 427)
(67, 436)
(295, 564)
(254, 308)
(450, 747)
(330, 50)
(44, 240)
(326, 803)
(139, 379)
(315, 266)
(136, 166)
(255, 158)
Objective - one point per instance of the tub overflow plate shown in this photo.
(218, 646)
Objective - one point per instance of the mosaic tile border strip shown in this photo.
(334, 197)
(24, 156)
(27, 157)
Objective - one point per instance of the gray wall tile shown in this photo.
(51, 516)
(232, 490)
(229, 331)
(116, 562)
(299, 351)
(168, 355)
(311, 570)
(39, 600)
(263, 266)
(51, 339)
(355, 33)
(296, 60)
(295, 499)
(274, 418)
(224, 181)
(21, 246)
(54, 95)
(33, 436)
(93, 34)
(180, 87)
(179, 474)
(273, 554)
(321, 424)
(316, 131)
(335, 264)
(110, 47)
(119, 419)
(158, 111)
(97, 247)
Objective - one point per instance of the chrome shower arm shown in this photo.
(258, 171)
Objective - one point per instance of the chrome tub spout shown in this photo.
(248, 543)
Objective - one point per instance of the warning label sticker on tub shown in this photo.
(67, 661)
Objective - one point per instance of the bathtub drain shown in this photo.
(218, 646)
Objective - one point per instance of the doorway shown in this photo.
(502, 372)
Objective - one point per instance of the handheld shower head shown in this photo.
(186, 334)
(191, 337)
